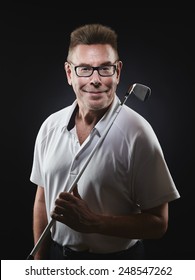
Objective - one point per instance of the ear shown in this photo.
(68, 71)
(118, 70)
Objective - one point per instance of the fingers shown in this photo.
(66, 205)
(58, 217)
(76, 193)
(70, 196)
(66, 201)
(58, 213)
(65, 196)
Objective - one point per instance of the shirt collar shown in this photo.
(101, 125)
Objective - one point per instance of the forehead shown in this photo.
(93, 54)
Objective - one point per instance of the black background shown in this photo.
(156, 47)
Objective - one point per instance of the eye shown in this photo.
(105, 67)
(84, 68)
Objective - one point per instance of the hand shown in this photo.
(71, 210)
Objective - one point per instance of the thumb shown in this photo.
(76, 193)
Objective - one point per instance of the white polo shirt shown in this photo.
(127, 173)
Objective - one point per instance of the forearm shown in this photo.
(134, 226)
(39, 223)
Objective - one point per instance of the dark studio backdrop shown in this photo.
(156, 47)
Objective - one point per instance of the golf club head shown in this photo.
(142, 92)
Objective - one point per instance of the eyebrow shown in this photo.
(102, 64)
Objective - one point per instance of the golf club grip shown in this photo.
(30, 257)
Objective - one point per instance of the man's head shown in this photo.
(93, 67)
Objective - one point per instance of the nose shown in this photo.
(95, 78)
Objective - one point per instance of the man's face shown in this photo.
(94, 92)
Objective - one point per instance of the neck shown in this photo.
(86, 121)
(90, 117)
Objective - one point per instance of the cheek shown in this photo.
(113, 85)
(76, 87)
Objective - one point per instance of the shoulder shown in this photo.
(136, 129)
(131, 120)
(58, 117)
(56, 121)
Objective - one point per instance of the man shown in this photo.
(122, 197)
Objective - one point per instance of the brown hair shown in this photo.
(89, 34)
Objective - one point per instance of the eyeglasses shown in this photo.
(87, 71)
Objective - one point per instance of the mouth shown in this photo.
(95, 91)
(96, 95)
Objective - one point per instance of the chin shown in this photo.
(99, 104)
(97, 107)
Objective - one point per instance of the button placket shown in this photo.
(81, 156)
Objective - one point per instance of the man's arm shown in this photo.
(71, 210)
(151, 223)
(40, 221)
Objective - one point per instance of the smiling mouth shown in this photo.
(95, 92)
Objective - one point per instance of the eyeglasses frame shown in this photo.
(94, 68)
